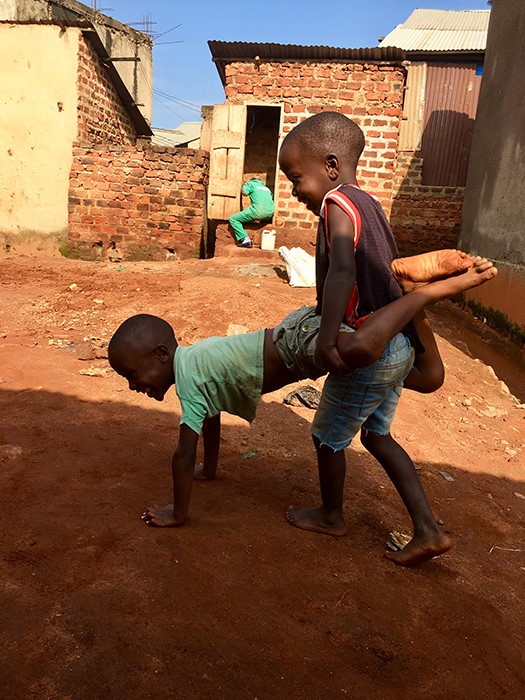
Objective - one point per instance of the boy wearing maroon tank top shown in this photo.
(354, 252)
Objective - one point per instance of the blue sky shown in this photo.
(185, 72)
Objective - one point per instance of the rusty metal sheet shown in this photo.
(451, 100)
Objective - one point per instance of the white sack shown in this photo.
(300, 267)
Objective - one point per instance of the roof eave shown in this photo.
(463, 56)
(224, 52)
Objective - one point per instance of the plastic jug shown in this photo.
(268, 239)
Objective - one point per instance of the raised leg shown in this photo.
(428, 373)
(367, 344)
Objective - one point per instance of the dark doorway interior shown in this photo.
(262, 137)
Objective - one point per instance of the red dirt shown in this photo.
(238, 604)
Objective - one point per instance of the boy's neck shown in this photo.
(350, 180)
(347, 176)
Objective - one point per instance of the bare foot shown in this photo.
(421, 549)
(428, 267)
(481, 271)
(315, 520)
(200, 473)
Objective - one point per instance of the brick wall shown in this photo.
(147, 200)
(370, 94)
(423, 218)
(101, 116)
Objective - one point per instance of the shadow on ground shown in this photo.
(238, 604)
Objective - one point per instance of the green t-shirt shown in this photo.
(260, 197)
(219, 374)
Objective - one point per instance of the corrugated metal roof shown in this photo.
(224, 52)
(441, 30)
(184, 133)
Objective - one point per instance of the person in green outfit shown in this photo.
(261, 207)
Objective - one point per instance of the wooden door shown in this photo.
(226, 160)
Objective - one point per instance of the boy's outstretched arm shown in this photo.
(211, 436)
(182, 467)
(338, 288)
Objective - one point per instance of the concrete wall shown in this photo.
(24, 10)
(38, 123)
(494, 211)
(124, 42)
(137, 75)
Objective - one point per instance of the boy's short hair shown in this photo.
(141, 331)
(329, 132)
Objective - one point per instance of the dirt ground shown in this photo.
(237, 603)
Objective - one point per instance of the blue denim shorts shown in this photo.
(366, 398)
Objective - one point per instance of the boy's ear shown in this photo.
(162, 353)
(332, 166)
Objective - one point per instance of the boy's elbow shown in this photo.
(364, 353)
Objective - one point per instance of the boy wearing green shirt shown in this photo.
(261, 207)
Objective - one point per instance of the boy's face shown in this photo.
(311, 178)
(147, 372)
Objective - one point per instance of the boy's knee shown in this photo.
(370, 440)
(356, 351)
(433, 380)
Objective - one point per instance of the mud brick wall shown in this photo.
(370, 94)
(101, 116)
(147, 201)
(422, 217)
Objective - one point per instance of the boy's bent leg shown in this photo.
(428, 373)
(328, 518)
(238, 229)
(429, 540)
(237, 220)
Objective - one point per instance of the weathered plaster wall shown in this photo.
(124, 42)
(24, 10)
(38, 123)
(136, 74)
(494, 212)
